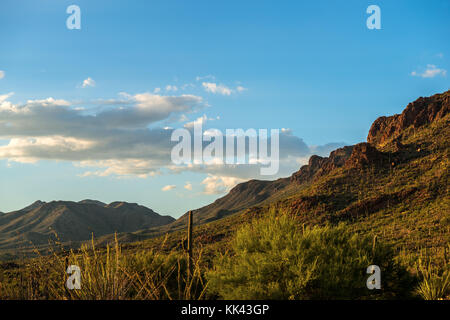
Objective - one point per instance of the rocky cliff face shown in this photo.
(385, 129)
(319, 166)
(417, 113)
(364, 154)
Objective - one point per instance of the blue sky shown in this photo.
(310, 66)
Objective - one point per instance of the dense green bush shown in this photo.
(275, 258)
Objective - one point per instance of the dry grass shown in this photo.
(106, 274)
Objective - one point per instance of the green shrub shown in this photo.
(275, 258)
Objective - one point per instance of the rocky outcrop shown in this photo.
(318, 166)
(417, 113)
(384, 129)
(364, 154)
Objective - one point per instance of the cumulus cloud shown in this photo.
(126, 137)
(169, 187)
(53, 129)
(430, 72)
(188, 186)
(89, 82)
(2, 74)
(219, 184)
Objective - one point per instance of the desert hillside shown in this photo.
(39, 222)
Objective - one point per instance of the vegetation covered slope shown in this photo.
(395, 186)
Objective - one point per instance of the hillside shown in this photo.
(394, 185)
(403, 157)
(72, 221)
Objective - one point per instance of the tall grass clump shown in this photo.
(435, 283)
(276, 258)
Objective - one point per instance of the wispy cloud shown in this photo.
(171, 88)
(216, 89)
(430, 72)
(209, 76)
(169, 187)
(2, 74)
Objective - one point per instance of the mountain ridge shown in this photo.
(73, 221)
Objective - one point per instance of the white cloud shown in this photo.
(116, 139)
(129, 136)
(188, 186)
(16, 149)
(89, 82)
(241, 89)
(157, 90)
(171, 88)
(216, 89)
(219, 184)
(199, 121)
(430, 72)
(168, 187)
(221, 89)
(140, 168)
(4, 97)
(49, 102)
(2, 74)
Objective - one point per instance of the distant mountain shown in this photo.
(96, 202)
(34, 205)
(73, 221)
